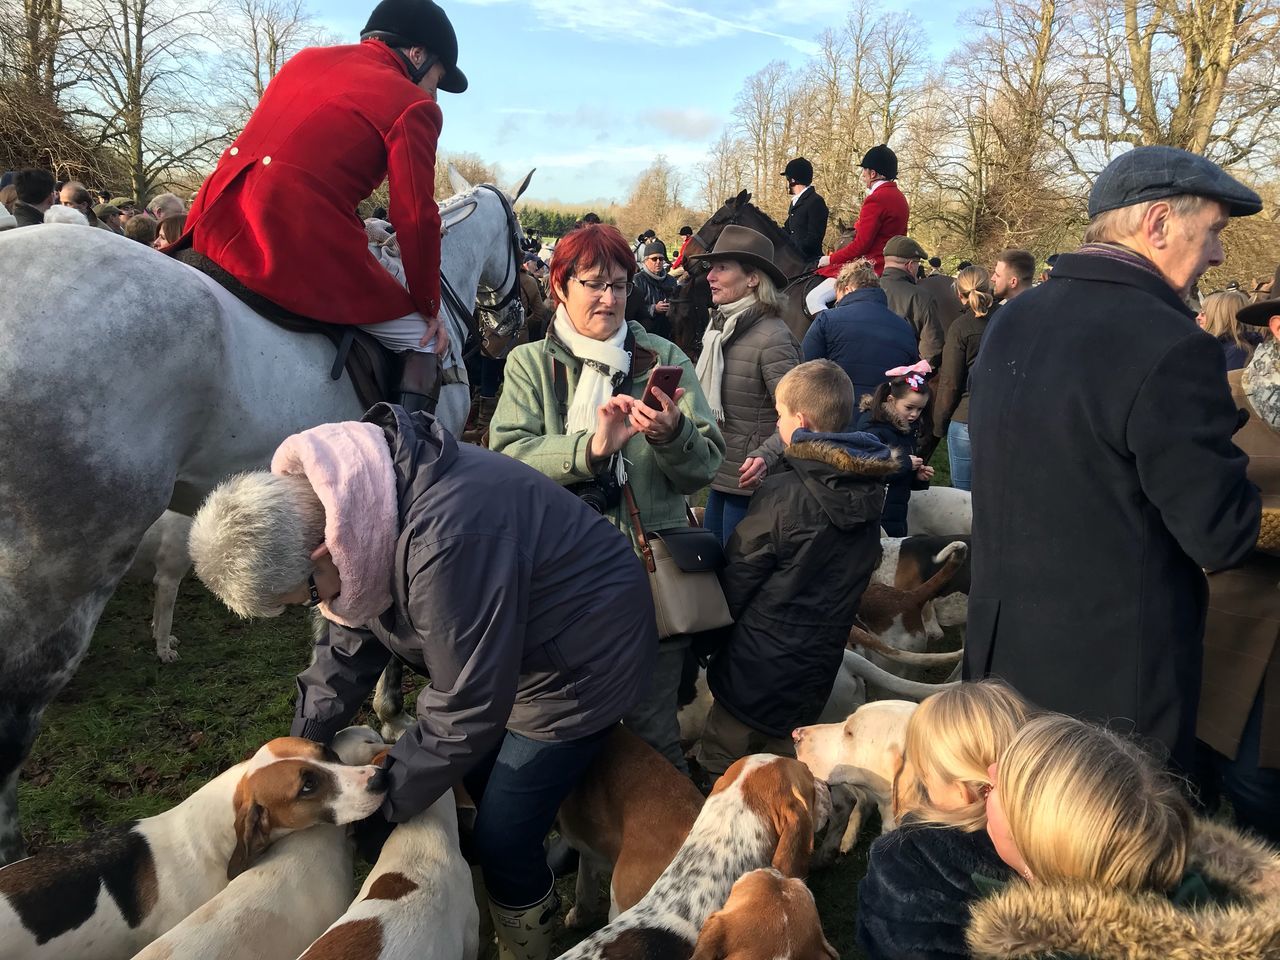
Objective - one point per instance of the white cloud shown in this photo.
(689, 123)
(669, 24)
(680, 154)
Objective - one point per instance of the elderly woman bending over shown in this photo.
(746, 350)
(571, 409)
(529, 613)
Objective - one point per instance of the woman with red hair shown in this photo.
(570, 408)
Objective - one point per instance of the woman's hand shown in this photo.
(752, 472)
(658, 426)
(916, 464)
(924, 473)
(613, 430)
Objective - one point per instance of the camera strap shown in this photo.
(560, 377)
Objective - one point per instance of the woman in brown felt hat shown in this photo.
(1238, 726)
(746, 350)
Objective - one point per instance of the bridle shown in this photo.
(499, 309)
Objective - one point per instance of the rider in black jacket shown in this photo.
(807, 220)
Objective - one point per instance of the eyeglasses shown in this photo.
(598, 287)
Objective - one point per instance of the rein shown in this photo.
(488, 299)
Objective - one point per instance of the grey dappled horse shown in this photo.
(130, 383)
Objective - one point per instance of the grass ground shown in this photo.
(130, 736)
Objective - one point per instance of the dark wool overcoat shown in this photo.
(1104, 480)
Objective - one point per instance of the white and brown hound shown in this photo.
(768, 917)
(110, 895)
(630, 813)
(762, 812)
(417, 904)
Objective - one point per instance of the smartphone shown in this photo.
(666, 379)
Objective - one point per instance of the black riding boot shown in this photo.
(420, 378)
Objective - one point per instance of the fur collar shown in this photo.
(1039, 921)
(840, 458)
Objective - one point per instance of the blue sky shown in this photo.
(591, 91)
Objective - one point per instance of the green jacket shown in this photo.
(527, 425)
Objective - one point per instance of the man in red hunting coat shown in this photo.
(884, 215)
(279, 211)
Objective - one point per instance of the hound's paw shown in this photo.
(165, 651)
(394, 728)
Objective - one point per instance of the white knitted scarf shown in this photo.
(710, 367)
(602, 360)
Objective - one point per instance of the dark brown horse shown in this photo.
(691, 305)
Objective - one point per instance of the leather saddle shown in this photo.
(374, 370)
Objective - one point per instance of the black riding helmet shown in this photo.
(799, 170)
(418, 23)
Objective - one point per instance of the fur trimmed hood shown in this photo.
(844, 473)
(1041, 921)
(858, 454)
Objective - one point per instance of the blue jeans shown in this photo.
(518, 790)
(958, 451)
(724, 512)
(1254, 791)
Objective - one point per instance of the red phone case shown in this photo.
(666, 379)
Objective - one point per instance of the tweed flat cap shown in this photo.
(906, 248)
(1155, 173)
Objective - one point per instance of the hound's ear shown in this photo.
(794, 822)
(514, 195)
(457, 181)
(253, 836)
(711, 943)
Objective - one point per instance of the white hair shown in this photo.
(60, 214)
(166, 204)
(251, 541)
(1113, 226)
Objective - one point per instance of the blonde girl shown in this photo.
(1076, 802)
(1109, 862)
(1218, 318)
(952, 739)
(921, 878)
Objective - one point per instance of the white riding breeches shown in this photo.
(400, 334)
(821, 296)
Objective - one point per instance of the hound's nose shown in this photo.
(378, 783)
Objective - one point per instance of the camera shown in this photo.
(602, 492)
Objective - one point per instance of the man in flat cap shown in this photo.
(1105, 477)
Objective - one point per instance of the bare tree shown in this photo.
(1202, 75)
(260, 36)
(145, 95)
